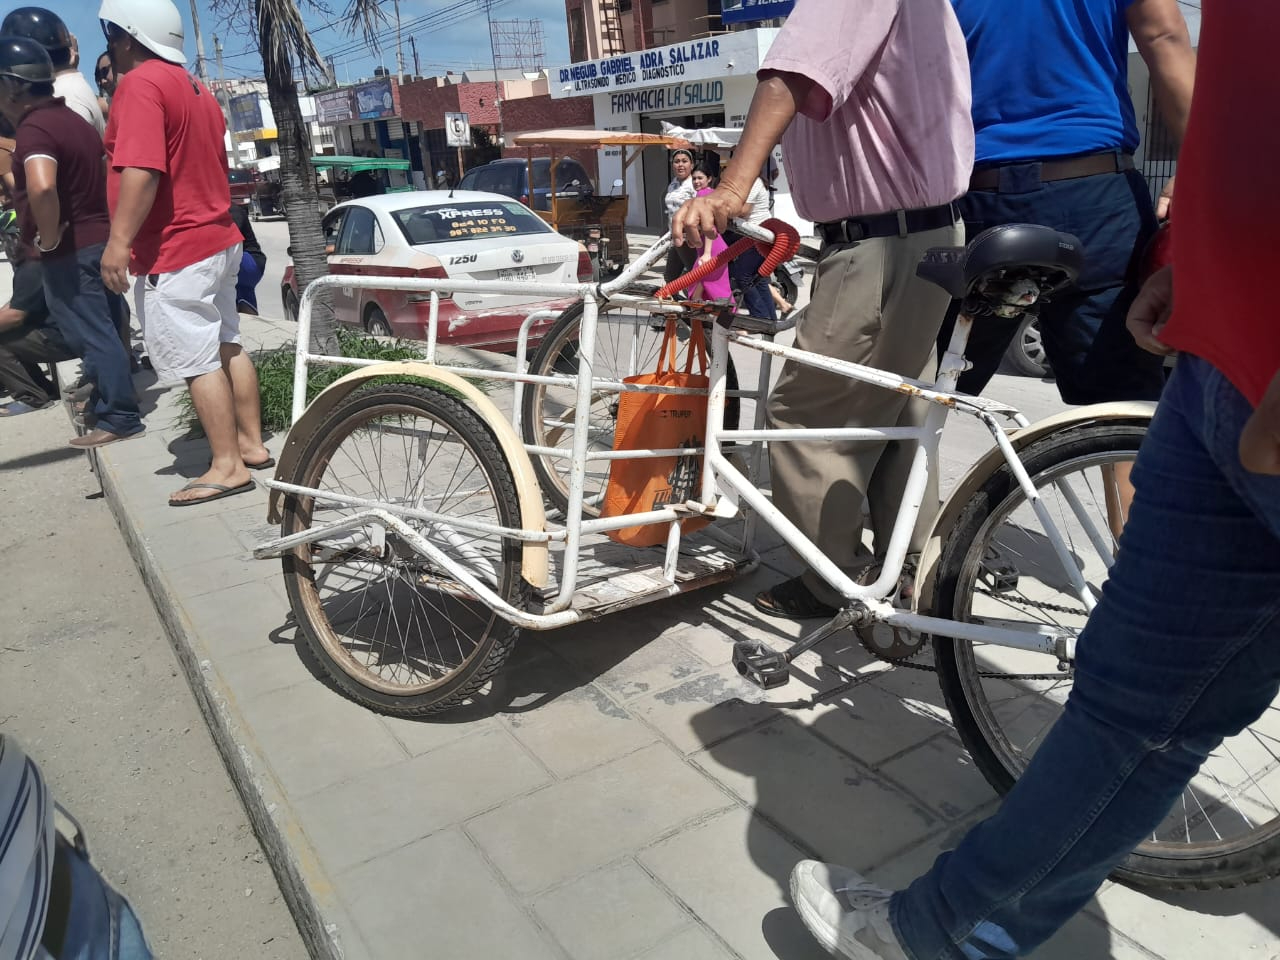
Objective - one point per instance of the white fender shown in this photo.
(533, 566)
(1121, 412)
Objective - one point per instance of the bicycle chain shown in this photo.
(1056, 608)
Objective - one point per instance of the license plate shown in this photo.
(518, 274)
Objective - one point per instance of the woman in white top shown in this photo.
(680, 260)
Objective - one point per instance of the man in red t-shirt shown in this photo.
(1183, 648)
(61, 201)
(170, 227)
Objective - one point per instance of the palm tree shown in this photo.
(284, 42)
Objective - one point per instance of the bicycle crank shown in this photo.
(768, 668)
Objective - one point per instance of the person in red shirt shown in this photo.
(1183, 649)
(61, 201)
(170, 227)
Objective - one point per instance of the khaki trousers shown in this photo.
(867, 306)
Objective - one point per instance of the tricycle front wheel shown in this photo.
(997, 566)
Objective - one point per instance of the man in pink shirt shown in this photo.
(871, 103)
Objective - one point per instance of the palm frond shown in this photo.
(282, 36)
(366, 17)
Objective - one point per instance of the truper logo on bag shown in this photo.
(682, 481)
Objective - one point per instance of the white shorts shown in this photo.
(186, 314)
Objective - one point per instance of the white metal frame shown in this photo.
(720, 476)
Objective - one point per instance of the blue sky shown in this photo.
(454, 46)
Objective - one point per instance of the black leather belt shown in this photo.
(896, 224)
(1051, 171)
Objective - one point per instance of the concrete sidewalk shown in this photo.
(619, 793)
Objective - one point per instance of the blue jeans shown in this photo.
(756, 298)
(95, 922)
(1182, 651)
(248, 278)
(78, 308)
(1094, 358)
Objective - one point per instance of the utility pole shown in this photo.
(399, 48)
(202, 65)
(493, 53)
(417, 67)
(222, 83)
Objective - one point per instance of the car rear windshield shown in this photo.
(467, 221)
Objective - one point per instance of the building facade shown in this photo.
(693, 84)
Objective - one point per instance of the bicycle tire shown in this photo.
(556, 353)
(1248, 857)
(363, 668)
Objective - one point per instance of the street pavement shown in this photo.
(91, 688)
(618, 793)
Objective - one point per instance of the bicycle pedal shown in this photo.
(757, 663)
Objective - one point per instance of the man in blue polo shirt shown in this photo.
(1055, 131)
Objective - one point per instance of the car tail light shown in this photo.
(586, 271)
(429, 273)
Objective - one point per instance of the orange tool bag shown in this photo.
(660, 421)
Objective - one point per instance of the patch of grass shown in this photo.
(275, 376)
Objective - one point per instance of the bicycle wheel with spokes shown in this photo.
(998, 567)
(393, 630)
(627, 342)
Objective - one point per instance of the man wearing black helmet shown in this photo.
(60, 195)
(47, 29)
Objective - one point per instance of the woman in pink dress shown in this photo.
(716, 286)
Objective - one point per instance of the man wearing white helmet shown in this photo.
(170, 228)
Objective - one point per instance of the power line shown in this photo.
(360, 48)
(445, 17)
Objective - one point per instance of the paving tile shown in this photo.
(732, 872)
(1243, 923)
(871, 724)
(314, 738)
(719, 703)
(205, 577)
(943, 775)
(707, 641)
(579, 824)
(822, 797)
(199, 540)
(250, 528)
(438, 898)
(388, 807)
(629, 658)
(919, 688)
(611, 913)
(692, 943)
(246, 616)
(578, 730)
(265, 669)
(431, 733)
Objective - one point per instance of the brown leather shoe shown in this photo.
(100, 438)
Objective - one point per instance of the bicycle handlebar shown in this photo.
(776, 240)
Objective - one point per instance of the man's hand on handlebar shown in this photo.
(703, 216)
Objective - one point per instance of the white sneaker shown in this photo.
(848, 915)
